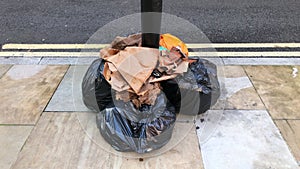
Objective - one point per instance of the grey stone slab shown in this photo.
(237, 92)
(67, 61)
(215, 60)
(72, 140)
(4, 69)
(68, 96)
(12, 138)
(261, 61)
(20, 60)
(230, 87)
(243, 139)
(26, 91)
(182, 118)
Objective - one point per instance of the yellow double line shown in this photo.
(7, 50)
(190, 45)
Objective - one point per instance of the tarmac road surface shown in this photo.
(74, 21)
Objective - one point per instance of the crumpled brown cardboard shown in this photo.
(123, 42)
(135, 65)
(128, 69)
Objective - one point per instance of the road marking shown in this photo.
(190, 45)
(246, 54)
(49, 54)
(225, 54)
(244, 45)
(53, 46)
(202, 54)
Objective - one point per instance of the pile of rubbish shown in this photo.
(137, 91)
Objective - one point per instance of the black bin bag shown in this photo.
(196, 90)
(96, 91)
(123, 126)
(141, 130)
(148, 128)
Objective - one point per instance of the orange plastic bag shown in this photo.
(169, 41)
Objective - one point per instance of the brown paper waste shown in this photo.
(129, 69)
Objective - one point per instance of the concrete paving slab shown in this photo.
(207, 124)
(58, 141)
(245, 139)
(238, 91)
(88, 60)
(67, 61)
(261, 61)
(68, 96)
(12, 138)
(20, 60)
(290, 130)
(4, 69)
(182, 118)
(180, 132)
(26, 90)
(279, 89)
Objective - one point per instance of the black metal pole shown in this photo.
(151, 22)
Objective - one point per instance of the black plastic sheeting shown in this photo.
(148, 128)
(123, 126)
(96, 91)
(196, 91)
(129, 129)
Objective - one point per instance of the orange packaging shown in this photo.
(169, 41)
